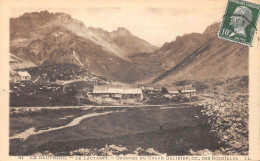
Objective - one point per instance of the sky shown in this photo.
(155, 24)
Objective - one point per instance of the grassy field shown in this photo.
(183, 129)
(42, 119)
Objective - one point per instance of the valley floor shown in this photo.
(215, 123)
(135, 129)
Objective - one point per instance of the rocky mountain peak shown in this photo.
(62, 14)
(212, 30)
(121, 31)
(97, 30)
(40, 14)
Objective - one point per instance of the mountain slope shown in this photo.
(214, 58)
(61, 46)
(46, 38)
(18, 63)
(129, 43)
(169, 55)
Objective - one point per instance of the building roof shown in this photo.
(116, 89)
(188, 87)
(183, 89)
(175, 88)
(23, 73)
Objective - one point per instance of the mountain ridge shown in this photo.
(45, 21)
(214, 58)
(46, 38)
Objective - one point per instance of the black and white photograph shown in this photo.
(127, 81)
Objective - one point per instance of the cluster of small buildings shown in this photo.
(119, 93)
(186, 90)
(18, 76)
(126, 94)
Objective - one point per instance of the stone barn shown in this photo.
(124, 94)
(187, 90)
(20, 76)
(172, 90)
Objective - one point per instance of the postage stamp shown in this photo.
(239, 22)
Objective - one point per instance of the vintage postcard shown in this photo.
(130, 80)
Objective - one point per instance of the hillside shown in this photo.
(18, 63)
(202, 56)
(169, 55)
(129, 43)
(46, 39)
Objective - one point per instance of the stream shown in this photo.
(31, 131)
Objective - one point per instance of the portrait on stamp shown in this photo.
(240, 20)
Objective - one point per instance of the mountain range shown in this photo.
(44, 38)
(201, 56)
